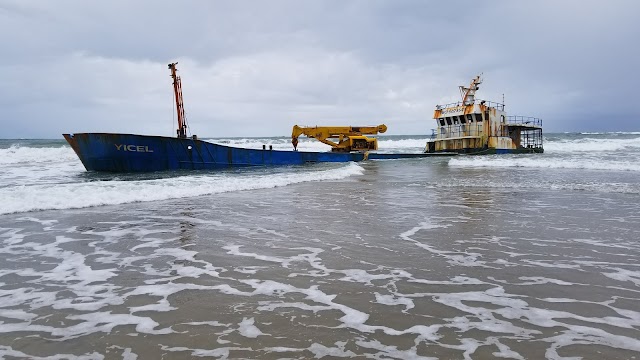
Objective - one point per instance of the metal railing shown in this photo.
(492, 104)
(457, 131)
(525, 120)
(531, 138)
(524, 137)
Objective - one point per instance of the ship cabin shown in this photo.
(474, 126)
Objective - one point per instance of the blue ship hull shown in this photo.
(144, 153)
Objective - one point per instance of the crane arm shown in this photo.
(349, 137)
(177, 90)
(327, 132)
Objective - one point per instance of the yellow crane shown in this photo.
(350, 138)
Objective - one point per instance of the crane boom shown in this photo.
(350, 138)
(177, 91)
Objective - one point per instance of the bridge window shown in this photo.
(441, 120)
(478, 117)
(448, 121)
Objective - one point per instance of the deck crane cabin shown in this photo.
(474, 126)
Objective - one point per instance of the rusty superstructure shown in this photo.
(474, 126)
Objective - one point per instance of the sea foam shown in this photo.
(541, 162)
(23, 154)
(306, 144)
(591, 145)
(95, 193)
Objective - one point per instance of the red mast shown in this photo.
(177, 90)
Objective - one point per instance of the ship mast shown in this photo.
(177, 90)
(468, 93)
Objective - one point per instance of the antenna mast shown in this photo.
(177, 91)
(468, 93)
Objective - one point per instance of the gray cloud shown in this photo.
(254, 68)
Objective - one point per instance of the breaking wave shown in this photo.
(17, 154)
(591, 144)
(541, 162)
(95, 193)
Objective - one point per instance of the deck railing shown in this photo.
(456, 131)
(492, 104)
(529, 137)
(525, 120)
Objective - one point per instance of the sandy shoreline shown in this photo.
(381, 264)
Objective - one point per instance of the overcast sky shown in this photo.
(256, 68)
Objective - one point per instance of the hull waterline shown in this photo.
(144, 153)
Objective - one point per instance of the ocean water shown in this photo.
(474, 257)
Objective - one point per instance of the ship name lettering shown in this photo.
(133, 148)
(452, 110)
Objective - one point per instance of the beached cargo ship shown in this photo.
(143, 153)
(474, 126)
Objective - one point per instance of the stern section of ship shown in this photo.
(483, 127)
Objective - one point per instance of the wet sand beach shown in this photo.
(410, 259)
